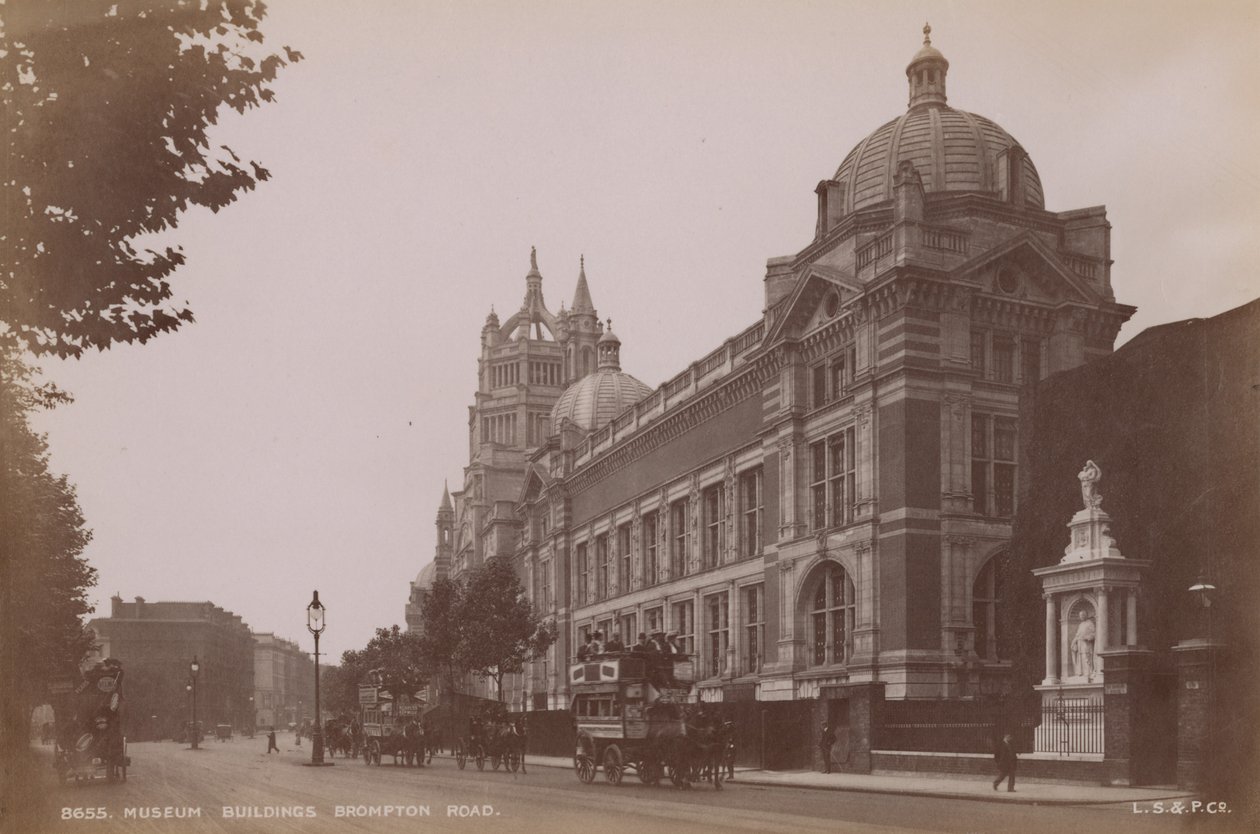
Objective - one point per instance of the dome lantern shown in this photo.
(926, 73)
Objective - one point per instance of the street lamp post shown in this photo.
(315, 625)
(194, 668)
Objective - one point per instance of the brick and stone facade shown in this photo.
(826, 497)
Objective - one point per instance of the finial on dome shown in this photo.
(533, 257)
(926, 73)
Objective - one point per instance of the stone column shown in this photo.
(1065, 641)
(1051, 671)
(1100, 639)
(1131, 639)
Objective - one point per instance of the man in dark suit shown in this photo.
(825, 743)
(1006, 759)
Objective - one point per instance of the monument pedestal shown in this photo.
(1091, 606)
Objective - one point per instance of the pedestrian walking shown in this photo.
(825, 743)
(1006, 760)
(271, 741)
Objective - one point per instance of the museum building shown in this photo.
(827, 496)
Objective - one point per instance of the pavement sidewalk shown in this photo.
(979, 788)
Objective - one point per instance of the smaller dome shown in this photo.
(609, 337)
(594, 400)
(424, 579)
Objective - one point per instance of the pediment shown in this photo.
(820, 297)
(536, 480)
(1025, 268)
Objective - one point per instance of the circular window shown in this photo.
(1007, 281)
(832, 305)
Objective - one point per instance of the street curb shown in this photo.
(997, 799)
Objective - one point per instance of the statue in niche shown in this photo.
(1083, 647)
(1089, 478)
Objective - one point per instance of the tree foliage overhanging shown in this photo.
(107, 112)
(44, 578)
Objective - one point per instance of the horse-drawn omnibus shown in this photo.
(390, 726)
(633, 711)
(89, 742)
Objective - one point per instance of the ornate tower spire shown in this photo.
(926, 73)
(582, 295)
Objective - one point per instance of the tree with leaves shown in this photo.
(44, 578)
(108, 109)
(500, 631)
(441, 633)
(396, 655)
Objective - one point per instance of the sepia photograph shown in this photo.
(568, 416)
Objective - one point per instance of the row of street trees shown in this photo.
(480, 625)
(107, 110)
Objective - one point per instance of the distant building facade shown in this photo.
(284, 682)
(156, 643)
(826, 497)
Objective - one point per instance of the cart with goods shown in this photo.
(89, 742)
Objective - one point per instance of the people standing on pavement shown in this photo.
(825, 743)
(1006, 759)
(728, 748)
(271, 741)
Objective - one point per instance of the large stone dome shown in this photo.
(952, 150)
(594, 400)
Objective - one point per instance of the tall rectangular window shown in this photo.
(623, 557)
(713, 538)
(818, 484)
(684, 622)
(978, 352)
(718, 628)
(841, 476)
(993, 460)
(601, 567)
(754, 628)
(1004, 466)
(584, 573)
(544, 571)
(750, 512)
(627, 627)
(678, 512)
(650, 545)
(1003, 358)
(842, 372)
(818, 385)
(1029, 361)
(653, 620)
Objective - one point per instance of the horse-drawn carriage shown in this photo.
(89, 742)
(494, 737)
(390, 726)
(632, 712)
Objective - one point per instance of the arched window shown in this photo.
(988, 599)
(588, 361)
(831, 617)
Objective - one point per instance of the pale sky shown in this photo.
(297, 436)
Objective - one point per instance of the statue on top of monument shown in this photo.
(1089, 478)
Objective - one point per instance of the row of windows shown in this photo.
(499, 428)
(830, 625)
(507, 374)
(610, 564)
(995, 357)
(716, 635)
